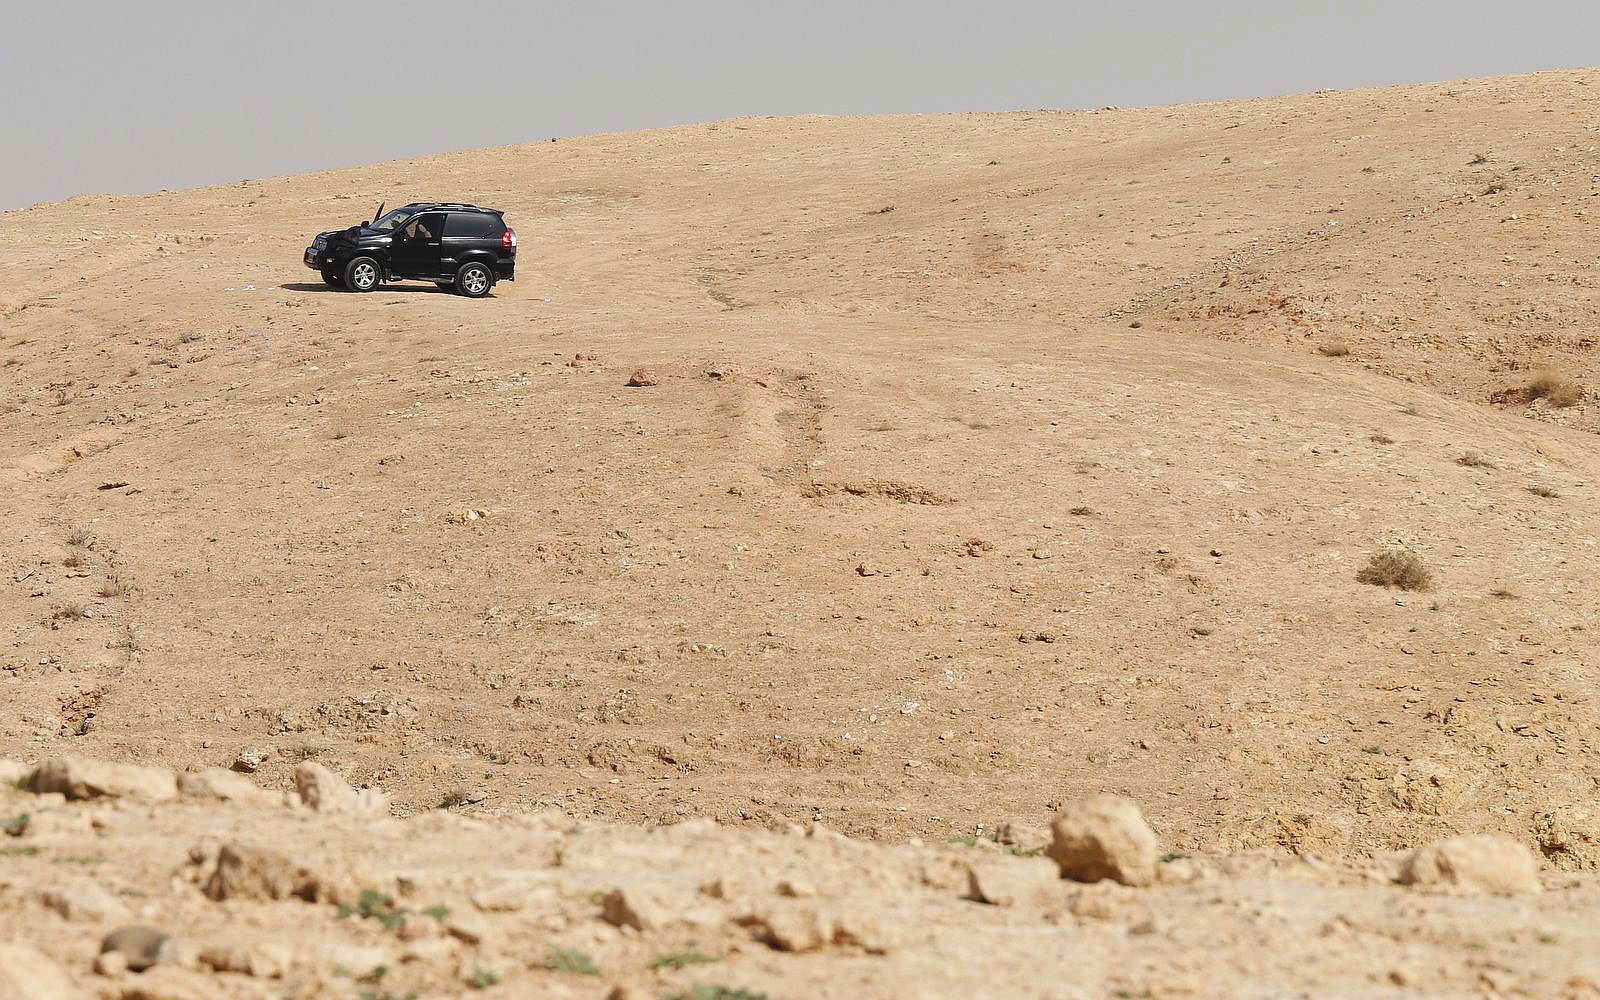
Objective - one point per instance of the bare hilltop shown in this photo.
(1239, 461)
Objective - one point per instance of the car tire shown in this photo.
(474, 279)
(333, 279)
(362, 274)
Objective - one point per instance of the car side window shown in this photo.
(476, 225)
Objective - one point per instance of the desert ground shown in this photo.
(993, 461)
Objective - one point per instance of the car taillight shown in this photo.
(508, 239)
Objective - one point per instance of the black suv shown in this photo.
(463, 247)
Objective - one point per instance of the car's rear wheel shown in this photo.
(333, 279)
(361, 274)
(474, 280)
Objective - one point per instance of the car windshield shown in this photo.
(394, 218)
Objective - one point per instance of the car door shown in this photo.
(416, 250)
(468, 234)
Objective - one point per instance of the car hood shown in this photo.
(355, 234)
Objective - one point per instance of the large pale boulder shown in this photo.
(77, 778)
(325, 791)
(1478, 863)
(1104, 837)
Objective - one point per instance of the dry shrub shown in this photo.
(1473, 460)
(1380, 439)
(1333, 347)
(1549, 384)
(1396, 568)
(1545, 492)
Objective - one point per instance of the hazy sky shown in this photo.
(124, 96)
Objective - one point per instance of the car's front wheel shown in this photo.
(474, 280)
(361, 274)
(333, 279)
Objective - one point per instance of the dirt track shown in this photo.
(919, 533)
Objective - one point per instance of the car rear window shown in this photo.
(472, 224)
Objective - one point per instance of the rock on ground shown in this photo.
(1473, 864)
(247, 872)
(1006, 881)
(1104, 836)
(325, 791)
(221, 783)
(142, 947)
(89, 779)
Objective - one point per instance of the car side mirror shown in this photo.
(365, 223)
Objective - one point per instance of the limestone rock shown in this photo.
(248, 872)
(1569, 836)
(1104, 837)
(642, 377)
(250, 759)
(325, 791)
(77, 778)
(806, 927)
(261, 961)
(1473, 864)
(1008, 881)
(14, 772)
(221, 783)
(637, 908)
(27, 972)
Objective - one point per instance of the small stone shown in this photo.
(471, 928)
(642, 377)
(141, 946)
(794, 928)
(869, 569)
(1104, 837)
(77, 778)
(250, 759)
(326, 792)
(419, 929)
(796, 888)
(1473, 864)
(110, 963)
(636, 908)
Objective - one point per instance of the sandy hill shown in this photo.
(996, 459)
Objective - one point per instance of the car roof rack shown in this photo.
(452, 204)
